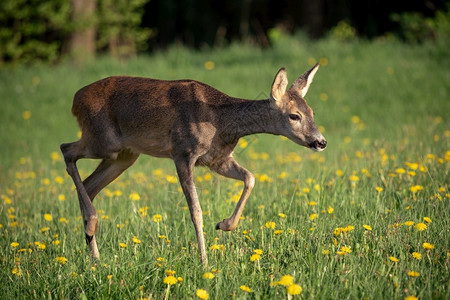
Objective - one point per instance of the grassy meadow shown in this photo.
(368, 218)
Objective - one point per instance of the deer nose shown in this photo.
(318, 145)
(322, 144)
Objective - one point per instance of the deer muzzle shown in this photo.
(318, 145)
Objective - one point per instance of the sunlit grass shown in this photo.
(367, 218)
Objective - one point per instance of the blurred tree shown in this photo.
(82, 39)
(119, 27)
(32, 30)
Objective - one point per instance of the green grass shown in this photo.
(384, 110)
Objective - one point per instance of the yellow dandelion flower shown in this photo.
(255, 257)
(264, 178)
(44, 229)
(325, 252)
(348, 228)
(337, 231)
(143, 211)
(277, 232)
(170, 280)
(330, 210)
(26, 115)
(312, 217)
(17, 272)
(258, 251)
(286, 280)
(171, 179)
(411, 298)
(40, 245)
(416, 188)
(421, 226)
(136, 240)
(271, 225)
(428, 246)
(393, 258)
(14, 244)
(346, 249)
(245, 288)
(281, 215)
(294, 289)
(417, 255)
(354, 178)
(134, 197)
(202, 294)
(367, 227)
(217, 247)
(180, 279)
(282, 175)
(400, 171)
(208, 275)
(55, 156)
(157, 218)
(59, 180)
(243, 143)
(426, 219)
(122, 245)
(409, 223)
(413, 273)
(61, 259)
(109, 277)
(61, 197)
(56, 242)
(209, 65)
(312, 203)
(48, 217)
(379, 189)
(157, 172)
(170, 272)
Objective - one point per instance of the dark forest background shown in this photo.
(36, 30)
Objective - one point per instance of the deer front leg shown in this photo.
(185, 169)
(230, 168)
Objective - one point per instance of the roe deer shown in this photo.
(185, 120)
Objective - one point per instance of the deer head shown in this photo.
(295, 119)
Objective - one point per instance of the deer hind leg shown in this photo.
(185, 174)
(72, 152)
(231, 169)
(104, 174)
(107, 171)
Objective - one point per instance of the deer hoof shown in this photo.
(225, 226)
(218, 225)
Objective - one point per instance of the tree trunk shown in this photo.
(82, 41)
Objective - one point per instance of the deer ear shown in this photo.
(279, 85)
(301, 85)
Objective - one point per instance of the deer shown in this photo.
(190, 122)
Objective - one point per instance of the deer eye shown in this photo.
(294, 117)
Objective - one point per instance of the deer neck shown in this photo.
(248, 117)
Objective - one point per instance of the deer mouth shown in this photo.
(318, 145)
